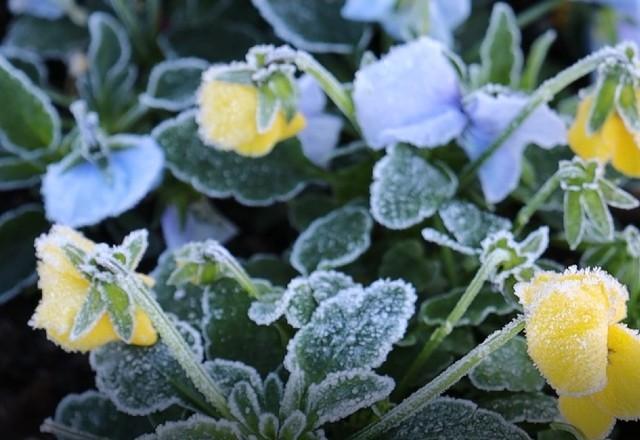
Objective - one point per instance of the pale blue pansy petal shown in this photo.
(629, 31)
(411, 95)
(445, 16)
(367, 10)
(200, 222)
(489, 116)
(627, 7)
(49, 9)
(84, 195)
(311, 98)
(320, 138)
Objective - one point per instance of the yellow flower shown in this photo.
(613, 142)
(64, 290)
(575, 338)
(227, 117)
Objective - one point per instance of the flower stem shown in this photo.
(418, 400)
(527, 211)
(545, 93)
(329, 83)
(485, 271)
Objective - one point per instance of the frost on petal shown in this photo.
(200, 222)
(367, 10)
(84, 194)
(411, 95)
(489, 116)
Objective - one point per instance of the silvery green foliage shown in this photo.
(93, 413)
(508, 368)
(28, 62)
(434, 311)
(455, 419)
(354, 329)
(197, 427)
(33, 125)
(48, 38)
(311, 25)
(173, 84)
(333, 240)
(533, 407)
(300, 299)
(143, 380)
(278, 176)
(406, 189)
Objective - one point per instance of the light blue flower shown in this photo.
(322, 132)
(405, 20)
(414, 95)
(48, 9)
(200, 222)
(84, 193)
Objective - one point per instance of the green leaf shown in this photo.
(573, 218)
(227, 374)
(313, 25)
(18, 230)
(93, 413)
(406, 189)
(434, 311)
(28, 62)
(293, 426)
(334, 240)
(470, 225)
(244, 405)
(500, 52)
(109, 51)
(627, 105)
(48, 38)
(533, 407)
(173, 84)
(308, 207)
(407, 259)
(119, 309)
(353, 330)
(597, 212)
(263, 181)
(268, 107)
(33, 123)
(230, 334)
(446, 418)
(18, 173)
(343, 393)
(508, 368)
(536, 58)
(603, 102)
(197, 427)
(268, 267)
(90, 313)
(134, 246)
(616, 197)
(143, 380)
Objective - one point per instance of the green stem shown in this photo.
(171, 337)
(63, 431)
(527, 211)
(329, 83)
(536, 11)
(418, 400)
(131, 117)
(485, 271)
(545, 93)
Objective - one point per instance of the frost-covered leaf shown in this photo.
(597, 212)
(28, 62)
(49, 38)
(271, 268)
(343, 393)
(18, 230)
(142, 380)
(500, 52)
(17, 173)
(524, 407)
(334, 240)
(244, 405)
(406, 189)
(293, 426)
(627, 105)
(407, 259)
(574, 224)
(508, 368)
(313, 25)
(33, 123)
(230, 334)
(93, 413)
(446, 418)
(308, 207)
(173, 84)
(441, 239)
(603, 101)
(434, 311)
(109, 52)
(470, 225)
(197, 427)
(615, 196)
(227, 374)
(535, 59)
(273, 391)
(261, 181)
(354, 329)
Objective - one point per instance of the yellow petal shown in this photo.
(582, 413)
(623, 145)
(585, 146)
(621, 396)
(294, 126)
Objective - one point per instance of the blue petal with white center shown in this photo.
(411, 95)
(84, 194)
(489, 116)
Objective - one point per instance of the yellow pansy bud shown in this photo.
(64, 291)
(575, 338)
(227, 117)
(614, 142)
